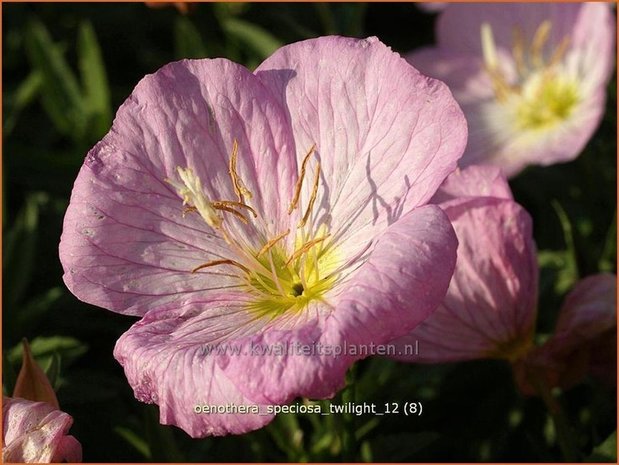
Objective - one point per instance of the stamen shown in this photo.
(539, 40)
(518, 51)
(299, 184)
(236, 213)
(310, 205)
(230, 203)
(559, 52)
(307, 246)
(488, 47)
(272, 242)
(240, 190)
(275, 275)
(189, 209)
(220, 262)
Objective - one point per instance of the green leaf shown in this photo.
(161, 438)
(52, 371)
(188, 42)
(44, 348)
(61, 96)
(605, 452)
(30, 312)
(609, 253)
(94, 81)
(20, 248)
(23, 96)
(254, 37)
(134, 440)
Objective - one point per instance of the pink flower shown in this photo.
(530, 77)
(284, 208)
(491, 305)
(584, 341)
(37, 432)
(489, 309)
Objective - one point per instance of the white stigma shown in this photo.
(190, 189)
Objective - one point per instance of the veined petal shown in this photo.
(401, 283)
(272, 362)
(489, 310)
(37, 432)
(386, 136)
(553, 61)
(170, 358)
(127, 244)
(474, 181)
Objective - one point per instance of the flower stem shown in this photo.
(565, 436)
(348, 419)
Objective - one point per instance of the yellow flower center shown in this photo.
(543, 95)
(279, 277)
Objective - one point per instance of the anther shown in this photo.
(559, 52)
(230, 203)
(240, 190)
(236, 213)
(310, 205)
(518, 51)
(220, 262)
(307, 246)
(299, 184)
(539, 40)
(272, 242)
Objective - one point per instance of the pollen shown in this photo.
(542, 94)
(285, 272)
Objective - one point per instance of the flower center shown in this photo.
(542, 94)
(286, 272)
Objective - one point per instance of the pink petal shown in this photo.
(386, 136)
(489, 310)
(590, 27)
(458, 62)
(165, 360)
(36, 432)
(125, 243)
(585, 338)
(474, 181)
(402, 282)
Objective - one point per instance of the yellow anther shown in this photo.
(230, 203)
(238, 214)
(559, 52)
(310, 205)
(188, 209)
(299, 184)
(239, 188)
(305, 248)
(539, 40)
(220, 262)
(518, 51)
(272, 242)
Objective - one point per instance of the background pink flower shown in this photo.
(584, 340)
(530, 77)
(490, 307)
(37, 432)
(286, 206)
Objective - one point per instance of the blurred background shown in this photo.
(67, 68)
